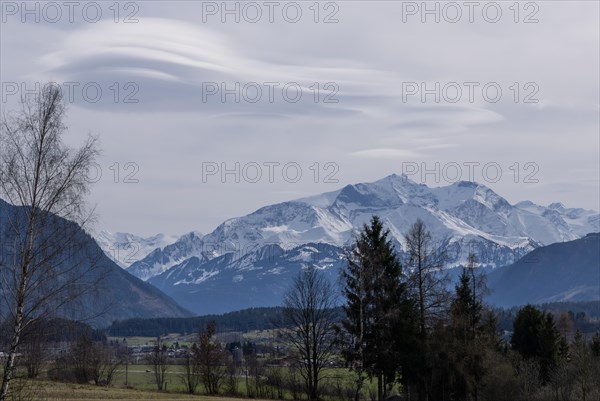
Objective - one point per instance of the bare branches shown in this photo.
(310, 317)
(158, 359)
(42, 268)
(427, 280)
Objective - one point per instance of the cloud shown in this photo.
(368, 133)
(386, 153)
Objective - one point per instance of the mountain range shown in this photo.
(248, 261)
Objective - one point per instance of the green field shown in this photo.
(141, 386)
(47, 391)
(137, 381)
(141, 377)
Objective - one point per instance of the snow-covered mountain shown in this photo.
(125, 248)
(161, 259)
(464, 217)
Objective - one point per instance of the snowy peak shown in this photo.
(453, 196)
(161, 259)
(126, 249)
(457, 212)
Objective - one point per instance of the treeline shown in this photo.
(582, 316)
(403, 326)
(55, 330)
(241, 321)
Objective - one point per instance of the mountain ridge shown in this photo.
(465, 216)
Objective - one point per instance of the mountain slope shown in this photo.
(568, 271)
(110, 292)
(465, 212)
(160, 260)
(463, 217)
(228, 282)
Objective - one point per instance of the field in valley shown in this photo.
(47, 391)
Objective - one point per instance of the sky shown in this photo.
(210, 110)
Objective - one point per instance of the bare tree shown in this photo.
(32, 349)
(211, 359)
(43, 180)
(90, 360)
(426, 278)
(103, 363)
(254, 369)
(80, 359)
(428, 284)
(191, 369)
(310, 317)
(583, 374)
(159, 359)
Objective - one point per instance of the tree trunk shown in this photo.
(10, 362)
(359, 382)
(18, 327)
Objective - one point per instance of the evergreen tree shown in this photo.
(378, 310)
(466, 308)
(535, 336)
(469, 339)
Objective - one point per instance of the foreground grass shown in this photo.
(49, 391)
(141, 387)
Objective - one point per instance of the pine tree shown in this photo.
(466, 347)
(466, 307)
(378, 310)
(535, 336)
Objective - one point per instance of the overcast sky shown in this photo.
(397, 91)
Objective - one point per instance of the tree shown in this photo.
(191, 369)
(468, 343)
(535, 336)
(428, 285)
(378, 309)
(310, 319)
(211, 359)
(45, 180)
(104, 362)
(32, 348)
(159, 359)
(91, 360)
(80, 359)
(427, 281)
(584, 372)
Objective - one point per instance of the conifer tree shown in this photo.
(378, 310)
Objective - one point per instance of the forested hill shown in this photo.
(243, 321)
(585, 317)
